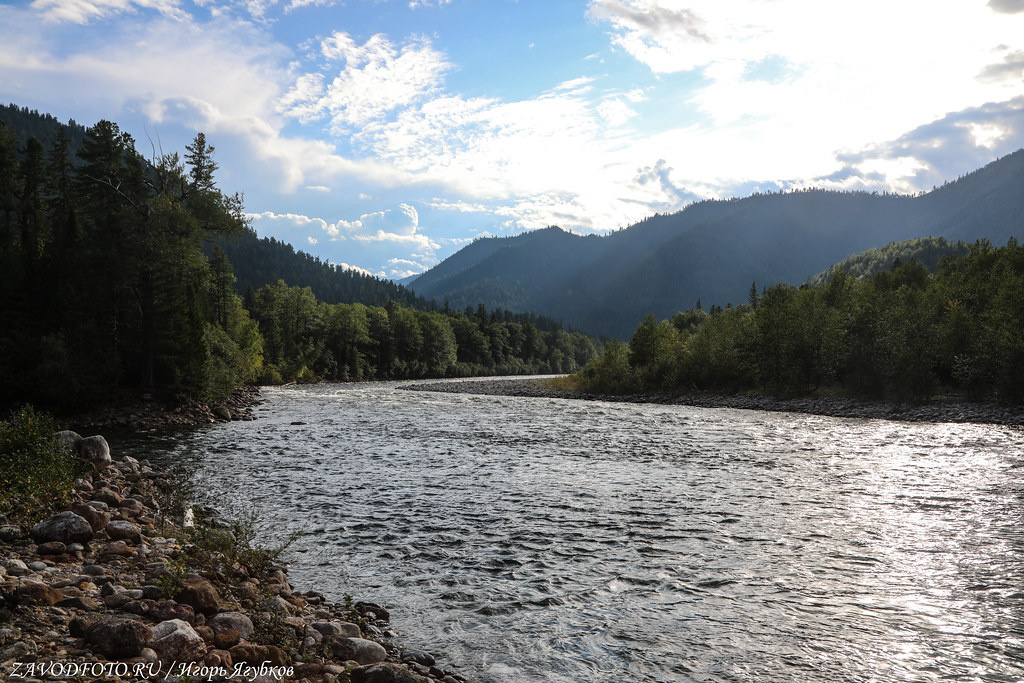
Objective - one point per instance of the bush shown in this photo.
(37, 470)
(610, 373)
(217, 545)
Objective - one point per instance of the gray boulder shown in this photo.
(69, 437)
(175, 640)
(358, 649)
(118, 638)
(388, 672)
(232, 621)
(341, 629)
(120, 530)
(66, 527)
(96, 450)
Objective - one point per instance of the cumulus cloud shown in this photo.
(1010, 69)
(401, 221)
(946, 148)
(270, 222)
(376, 78)
(399, 268)
(346, 266)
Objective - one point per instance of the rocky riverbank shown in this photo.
(986, 413)
(138, 415)
(115, 587)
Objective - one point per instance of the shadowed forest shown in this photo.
(116, 279)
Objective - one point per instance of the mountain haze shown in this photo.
(713, 250)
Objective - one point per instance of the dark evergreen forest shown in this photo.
(117, 280)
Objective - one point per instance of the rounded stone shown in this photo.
(96, 450)
(120, 530)
(359, 650)
(34, 593)
(232, 621)
(201, 595)
(175, 640)
(66, 527)
(52, 548)
(387, 672)
(118, 638)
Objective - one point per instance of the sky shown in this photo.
(385, 135)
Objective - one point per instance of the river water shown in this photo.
(526, 539)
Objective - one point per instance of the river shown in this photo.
(526, 539)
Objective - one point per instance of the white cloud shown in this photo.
(460, 206)
(84, 11)
(415, 240)
(416, 4)
(346, 266)
(312, 240)
(301, 4)
(267, 222)
(875, 68)
(376, 79)
(399, 268)
(615, 112)
(402, 221)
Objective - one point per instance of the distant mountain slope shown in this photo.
(928, 251)
(714, 250)
(262, 261)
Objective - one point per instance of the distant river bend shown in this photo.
(534, 539)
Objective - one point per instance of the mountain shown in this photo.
(712, 251)
(258, 261)
(928, 251)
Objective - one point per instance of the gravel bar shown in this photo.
(985, 413)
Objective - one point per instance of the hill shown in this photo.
(928, 251)
(712, 251)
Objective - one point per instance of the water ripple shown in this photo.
(537, 540)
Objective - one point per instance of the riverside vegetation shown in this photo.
(102, 577)
(115, 284)
(900, 335)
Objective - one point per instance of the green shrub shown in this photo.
(219, 545)
(37, 471)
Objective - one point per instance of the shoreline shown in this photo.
(138, 415)
(981, 413)
(121, 585)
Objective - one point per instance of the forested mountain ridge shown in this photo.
(263, 261)
(711, 251)
(257, 262)
(928, 251)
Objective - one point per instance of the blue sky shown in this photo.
(386, 134)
